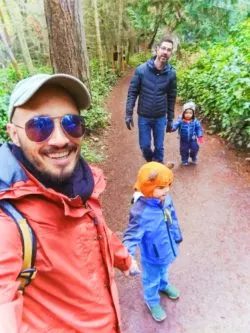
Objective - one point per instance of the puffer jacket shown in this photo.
(154, 227)
(156, 90)
(74, 290)
(188, 131)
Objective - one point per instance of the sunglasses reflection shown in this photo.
(40, 128)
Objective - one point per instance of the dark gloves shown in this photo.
(169, 126)
(129, 122)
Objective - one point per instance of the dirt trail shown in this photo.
(212, 203)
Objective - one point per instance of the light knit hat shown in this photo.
(150, 176)
(25, 89)
(189, 105)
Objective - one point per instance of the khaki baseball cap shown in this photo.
(25, 89)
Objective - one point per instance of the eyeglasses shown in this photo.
(40, 128)
(164, 48)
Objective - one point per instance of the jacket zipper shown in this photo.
(166, 221)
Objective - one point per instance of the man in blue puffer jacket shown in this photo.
(155, 84)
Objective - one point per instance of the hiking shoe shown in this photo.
(157, 312)
(172, 292)
(194, 162)
(184, 163)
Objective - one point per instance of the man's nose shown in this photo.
(58, 137)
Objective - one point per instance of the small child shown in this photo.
(190, 132)
(153, 226)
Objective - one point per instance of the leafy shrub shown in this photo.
(90, 155)
(8, 79)
(3, 117)
(219, 82)
(139, 58)
(97, 117)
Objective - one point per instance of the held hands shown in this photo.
(129, 122)
(200, 140)
(133, 270)
(169, 126)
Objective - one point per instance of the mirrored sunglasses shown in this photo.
(40, 128)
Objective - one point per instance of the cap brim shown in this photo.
(72, 85)
(75, 87)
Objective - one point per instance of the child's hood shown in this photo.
(136, 196)
(150, 201)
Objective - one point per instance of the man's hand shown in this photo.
(129, 122)
(200, 140)
(169, 126)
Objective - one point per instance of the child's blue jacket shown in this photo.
(155, 229)
(188, 131)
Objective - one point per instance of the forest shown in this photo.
(98, 40)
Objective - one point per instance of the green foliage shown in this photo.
(194, 21)
(210, 20)
(90, 155)
(3, 117)
(140, 15)
(139, 58)
(219, 82)
(8, 79)
(97, 117)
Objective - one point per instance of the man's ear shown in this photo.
(12, 132)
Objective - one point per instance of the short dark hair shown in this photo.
(165, 39)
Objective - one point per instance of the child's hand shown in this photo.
(133, 270)
(200, 140)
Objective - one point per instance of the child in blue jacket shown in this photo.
(154, 227)
(190, 132)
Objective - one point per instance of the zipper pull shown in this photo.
(167, 216)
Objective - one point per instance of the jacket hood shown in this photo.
(151, 66)
(153, 202)
(12, 172)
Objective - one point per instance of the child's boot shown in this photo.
(157, 312)
(172, 292)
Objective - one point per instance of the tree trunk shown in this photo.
(2, 19)
(98, 36)
(10, 55)
(17, 23)
(157, 24)
(67, 43)
(119, 35)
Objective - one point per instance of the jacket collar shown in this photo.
(151, 66)
(151, 201)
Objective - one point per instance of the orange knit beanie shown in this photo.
(151, 175)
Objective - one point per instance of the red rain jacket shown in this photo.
(74, 290)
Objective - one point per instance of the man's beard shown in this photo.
(57, 178)
(38, 169)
